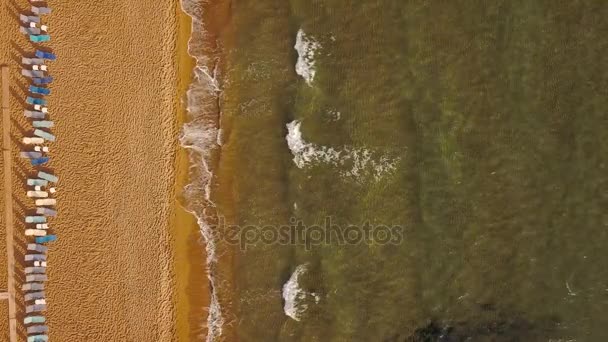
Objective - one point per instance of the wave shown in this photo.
(353, 162)
(295, 296)
(306, 47)
(200, 136)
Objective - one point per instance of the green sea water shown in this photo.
(478, 128)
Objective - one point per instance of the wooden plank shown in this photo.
(8, 202)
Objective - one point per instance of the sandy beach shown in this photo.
(116, 104)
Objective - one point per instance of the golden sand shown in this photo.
(122, 268)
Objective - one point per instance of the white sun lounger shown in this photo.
(32, 114)
(34, 319)
(37, 182)
(38, 338)
(41, 148)
(47, 176)
(40, 263)
(44, 135)
(36, 247)
(32, 287)
(30, 154)
(46, 211)
(37, 329)
(34, 296)
(42, 226)
(36, 277)
(35, 308)
(30, 61)
(41, 108)
(37, 194)
(40, 67)
(41, 10)
(35, 232)
(33, 140)
(29, 18)
(42, 124)
(32, 73)
(32, 270)
(46, 201)
(35, 257)
(40, 301)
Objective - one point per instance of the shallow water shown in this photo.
(476, 131)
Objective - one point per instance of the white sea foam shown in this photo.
(294, 296)
(352, 162)
(306, 47)
(200, 136)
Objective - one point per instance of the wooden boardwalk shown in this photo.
(8, 203)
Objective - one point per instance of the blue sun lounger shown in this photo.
(35, 219)
(36, 247)
(38, 338)
(29, 18)
(32, 114)
(43, 124)
(45, 239)
(34, 296)
(30, 155)
(30, 61)
(34, 319)
(41, 10)
(37, 182)
(39, 90)
(39, 161)
(39, 38)
(45, 55)
(32, 73)
(37, 329)
(44, 135)
(42, 80)
(48, 177)
(35, 101)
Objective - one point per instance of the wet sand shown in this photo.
(115, 102)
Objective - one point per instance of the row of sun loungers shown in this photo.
(40, 186)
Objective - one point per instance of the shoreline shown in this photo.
(191, 284)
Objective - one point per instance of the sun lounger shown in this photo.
(30, 61)
(42, 226)
(39, 161)
(32, 73)
(44, 135)
(39, 38)
(37, 329)
(40, 67)
(39, 90)
(40, 263)
(46, 211)
(36, 247)
(35, 257)
(36, 277)
(29, 30)
(45, 55)
(35, 308)
(37, 182)
(46, 201)
(34, 114)
(48, 177)
(29, 18)
(40, 301)
(32, 140)
(32, 287)
(34, 319)
(45, 239)
(32, 270)
(41, 10)
(43, 124)
(35, 219)
(42, 80)
(41, 148)
(37, 194)
(35, 232)
(35, 101)
(38, 338)
(34, 295)
(30, 154)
